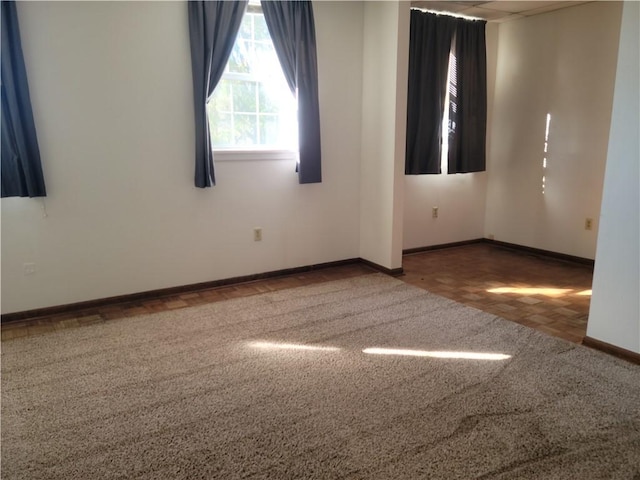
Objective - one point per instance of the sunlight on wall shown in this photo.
(546, 149)
(424, 353)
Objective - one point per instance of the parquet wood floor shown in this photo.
(542, 293)
(539, 292)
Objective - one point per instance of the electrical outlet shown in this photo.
(29, 268)
(257, 234)
(434, 212)
(588, 223)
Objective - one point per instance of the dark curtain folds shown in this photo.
(468, 108)
(429, 48)
(213, 27)
(292, 29)
(21, 167)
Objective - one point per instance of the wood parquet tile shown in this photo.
(539, 292)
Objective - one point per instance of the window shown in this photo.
(252, 108)
(450, 111)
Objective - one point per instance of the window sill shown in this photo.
(253, 155)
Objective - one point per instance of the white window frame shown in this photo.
(252, 155)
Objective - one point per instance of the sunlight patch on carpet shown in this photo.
(425, 353)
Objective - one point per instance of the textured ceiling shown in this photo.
(497, 11)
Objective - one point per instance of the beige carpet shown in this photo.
(225, 391)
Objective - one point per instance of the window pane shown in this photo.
(221, 125)
(244, 96)
(221, 98)
(245, 129)
(261, 30)
(267, 103)
(269, 129)
(266, 62)
(245, 27)
(239, 61)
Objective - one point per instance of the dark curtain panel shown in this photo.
(468, 107)
(429, 47)
(292, 30)
(21, 167)
(213, 27)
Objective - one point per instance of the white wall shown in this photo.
(562, 63)
(112, 98)
(614, 316)
(460, 198)
(384, 94)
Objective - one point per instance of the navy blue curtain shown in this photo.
(430, 40)
(213, 27)
(292, 29)
(468, 100)
(21, 167)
